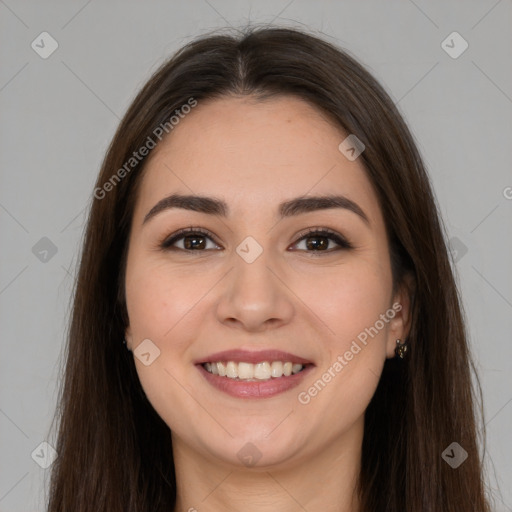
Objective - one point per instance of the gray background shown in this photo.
(59, 114)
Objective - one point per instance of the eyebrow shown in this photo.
(214, 206)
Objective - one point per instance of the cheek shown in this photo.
(160, 306)
(159, 298)
(350, 304)
(347, 299)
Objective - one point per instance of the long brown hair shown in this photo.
(114, 451)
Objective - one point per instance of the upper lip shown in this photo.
(249, 356)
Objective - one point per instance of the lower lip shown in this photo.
(263, 389)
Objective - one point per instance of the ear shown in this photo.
(128, 338)
(400, 324)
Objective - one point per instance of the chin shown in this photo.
(254, 450)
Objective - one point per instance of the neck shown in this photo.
(323, 481)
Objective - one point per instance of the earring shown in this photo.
(126, 346)
(401, 349)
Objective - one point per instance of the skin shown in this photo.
(255, 155)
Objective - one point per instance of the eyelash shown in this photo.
(167, 243)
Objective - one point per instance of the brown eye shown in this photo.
(321, 240)
(190, 240)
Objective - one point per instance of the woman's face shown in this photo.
(253, 277)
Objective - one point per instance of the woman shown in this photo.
(264, 241)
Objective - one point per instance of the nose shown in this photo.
(254, 296)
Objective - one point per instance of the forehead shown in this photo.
(252, 152)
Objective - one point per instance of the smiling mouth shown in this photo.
(263, 371)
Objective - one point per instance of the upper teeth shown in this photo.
(261, 371)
